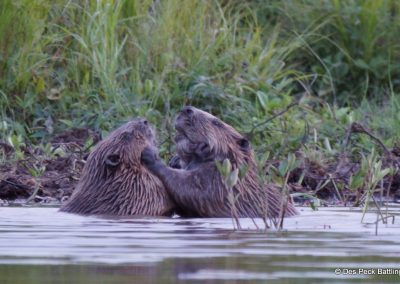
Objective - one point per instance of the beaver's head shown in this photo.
(199, 129)
(113, 180)
(121, 150)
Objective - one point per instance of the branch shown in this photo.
(250, 134)
(358, 128)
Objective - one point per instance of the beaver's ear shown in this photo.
(244, 144)
(112, 160)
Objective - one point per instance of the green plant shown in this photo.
(350, 44)
(95, 63)
(36, 171)
(367, 179)
(284, 169)
(230, 177)
(16, 141)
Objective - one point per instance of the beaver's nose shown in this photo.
(187, 110)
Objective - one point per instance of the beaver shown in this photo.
(195, 182)
(114, 182)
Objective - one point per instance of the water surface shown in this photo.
(41, 245)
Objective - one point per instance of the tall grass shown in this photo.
(99, 62)
(70, 63)
(21, 33)
(351, 44)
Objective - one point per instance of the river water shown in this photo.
(42, 245)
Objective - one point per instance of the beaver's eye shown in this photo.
(112, 160)
(216, 122)
(145, 122)
(188, 110)
(244, 144)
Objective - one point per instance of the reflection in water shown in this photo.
(40, 245)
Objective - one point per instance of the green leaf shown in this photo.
(148, 86)
(362, 64)
(356, 181)
(67, 122)
(40, 85)
(226, 167)
(327, 144)
(262, 98)
(232, 178)
(282, 169)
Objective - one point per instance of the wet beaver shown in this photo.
(114, 182)
(198, 188)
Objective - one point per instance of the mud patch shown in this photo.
(50, 173)
(333, 178)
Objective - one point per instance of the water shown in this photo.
(41, 245)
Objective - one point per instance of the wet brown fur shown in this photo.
(114, 182)
(198, 188)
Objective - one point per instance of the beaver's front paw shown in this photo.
(149, 157)
(175, 162)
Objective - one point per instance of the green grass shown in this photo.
(354, 41)
(95, 64)
(99, 62)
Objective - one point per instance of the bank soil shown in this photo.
(42, 176)
(50, 176)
